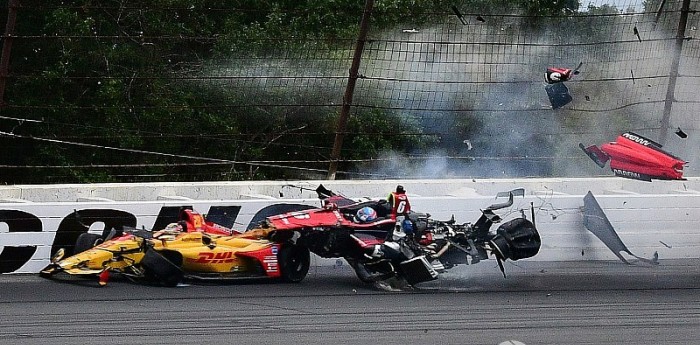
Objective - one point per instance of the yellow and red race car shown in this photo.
(171, 255)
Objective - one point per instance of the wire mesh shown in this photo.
(469, 91)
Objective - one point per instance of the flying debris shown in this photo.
(559, 74)
(468, 143)
(515, 192)
(636, 157)
(595, 220)
(459, 15)
(636, 33)
(659, 11)
(680, 133)
(481, 19)
(557, 92)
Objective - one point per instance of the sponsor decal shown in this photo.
(270, 262)
(636, 139)
(626, 173)
(13, 257)
(191, 239)
(284, 220)
(213, 258)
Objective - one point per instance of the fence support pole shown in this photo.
(7, 47)
(350, 89)
(673, 76)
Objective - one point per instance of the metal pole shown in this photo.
(7, 47)
(673, 76)
(350, 89)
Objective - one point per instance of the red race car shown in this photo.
(636, 157)
(409, 247)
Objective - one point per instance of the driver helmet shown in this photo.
(407, 226)
(173, 227)
(366, 214)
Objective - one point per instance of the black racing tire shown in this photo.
(294, 261)
(164, 266)
(86, 241)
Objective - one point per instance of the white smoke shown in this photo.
(499, 84)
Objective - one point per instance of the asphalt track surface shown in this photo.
(538, 303)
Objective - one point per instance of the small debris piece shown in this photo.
(680, 133)
(636, 33)
(459, 15)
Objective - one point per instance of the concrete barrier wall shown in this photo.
(661, 217)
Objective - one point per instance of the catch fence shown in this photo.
(460, 93)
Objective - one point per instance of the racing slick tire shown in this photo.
(86, 241)
(163, 266)
(294, 263)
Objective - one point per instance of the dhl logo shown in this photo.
(214, 258)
